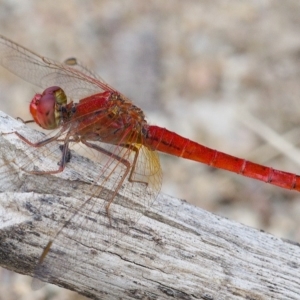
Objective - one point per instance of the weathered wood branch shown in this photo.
(175, 251)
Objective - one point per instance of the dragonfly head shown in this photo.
(45, 108)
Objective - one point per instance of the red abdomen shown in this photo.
(163, 140)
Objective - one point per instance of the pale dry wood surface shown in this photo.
(175, 251)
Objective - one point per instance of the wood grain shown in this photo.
(175, 251)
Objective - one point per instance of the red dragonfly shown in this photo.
(84, 109)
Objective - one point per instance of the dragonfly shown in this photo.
(79, 107)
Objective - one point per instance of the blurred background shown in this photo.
(223, 73)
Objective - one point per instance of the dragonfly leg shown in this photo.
(123, 161)
(66, 155)
(136, 155)
(25, 122)
(38, 144)
(65, 158)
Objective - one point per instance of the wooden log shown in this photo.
(174, 251)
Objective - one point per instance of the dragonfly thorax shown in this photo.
(108, 117)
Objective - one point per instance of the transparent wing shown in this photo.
(90, 230)
(122, 180)
(45, 72)
(125, 179)
(75, 63)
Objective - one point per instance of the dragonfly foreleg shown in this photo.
(25, 122)
(64, 148)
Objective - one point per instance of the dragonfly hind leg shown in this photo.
(133, 168)
(125, 162)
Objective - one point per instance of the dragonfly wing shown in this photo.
(92, 229)
(75, 63)
(45, 72)
(102, 197)
(110, 195)
(76, 218)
